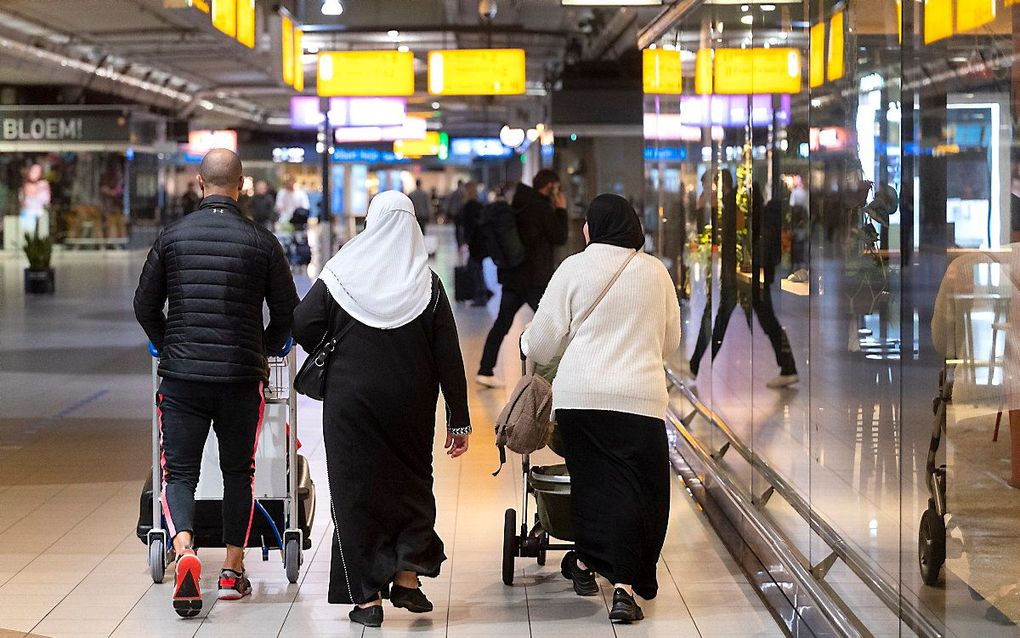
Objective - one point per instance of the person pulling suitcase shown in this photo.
(214, 268)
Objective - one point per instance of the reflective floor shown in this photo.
(74, 451)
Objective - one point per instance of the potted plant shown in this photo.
(39, 275)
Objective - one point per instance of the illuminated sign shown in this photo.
(938, 20)
(224, 16)
(428, 146)
(661, 71)
(829, 139)
(413, 128)
(365, 73)
(287, 50)
(733, 110)
(299, 65)
(203, 141)
(467, 147)
(246, 23)
(665, 153)
(670, 127)
(834, 66)
(972, 14)
(366, 156)
(757, 71)
(201, 5)
(703, 72)
(289, 154)
(477, 72)
(343, 111)
(816, 67)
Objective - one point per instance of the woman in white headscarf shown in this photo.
(398, 346)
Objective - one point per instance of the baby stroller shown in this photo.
(550, 485)
(931, 537)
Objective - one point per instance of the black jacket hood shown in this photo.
(525, 195)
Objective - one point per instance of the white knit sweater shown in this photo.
(615, 360)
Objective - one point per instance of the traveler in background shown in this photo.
(422, 207)
(263, 206)
(610, 398)
(454, 202)
(799, 206)
(34, 201)
(397, 347)
(190, 199)
(215, 268)
(470, 216)
(541, 216)
(291, 198)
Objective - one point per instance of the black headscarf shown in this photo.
(612, 220)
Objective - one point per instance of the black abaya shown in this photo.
(619, 493)
(378, 428)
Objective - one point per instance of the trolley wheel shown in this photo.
(931, 546)
(509, 545)
(157, 561)
(292, 560)
(543, 543)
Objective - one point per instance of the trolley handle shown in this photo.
(153, 351)
(285, 350)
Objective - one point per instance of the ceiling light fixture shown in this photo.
(393, 33)
(332, 8)
(748, 19)
(403, 48)
(768, 7)
(599, 3)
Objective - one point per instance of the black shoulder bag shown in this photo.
(310, 380)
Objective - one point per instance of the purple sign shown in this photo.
(732, 110)
(355, 111)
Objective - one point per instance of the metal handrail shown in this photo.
(910, 614)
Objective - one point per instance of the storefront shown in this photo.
(82, 175)
(838, 182)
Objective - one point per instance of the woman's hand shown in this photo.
(456, 445)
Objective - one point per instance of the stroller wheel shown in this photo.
(509, 545)
(931, 546)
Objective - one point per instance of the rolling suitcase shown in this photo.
(463, 284)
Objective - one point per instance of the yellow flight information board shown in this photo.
(419, 148)
(661, 71)
(477, 72)
(365, 74)
(971, 14)
(246, 23)
(287, 50)
(834, 65)
(816, 66)
(743, 71)
(224, 16)
(299, 65)
(703, 66)
(938, 20)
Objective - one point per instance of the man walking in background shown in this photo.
(216, 268)
(422, 205)
(541, 217)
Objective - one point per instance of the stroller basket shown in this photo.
(551, 485)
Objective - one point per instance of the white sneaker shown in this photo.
(783, 380)
(488, 381)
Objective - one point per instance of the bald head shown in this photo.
(221, 173)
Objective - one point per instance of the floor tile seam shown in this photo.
(301, 582)
(453, 548)
(34, 510)
(683, 600)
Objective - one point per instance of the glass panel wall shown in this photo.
(835, 188)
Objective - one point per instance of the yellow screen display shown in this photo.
(971, 14)
(703, 72)
(661, 71)
(740, 71)
(224, 16)
(365, 73)
(816, 70)
(477, 72)
(938, 20)
(246, 23)
(299, 65)
(418, 148)
(287, 47)
(835, 59)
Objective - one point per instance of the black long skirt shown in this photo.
(619, 493)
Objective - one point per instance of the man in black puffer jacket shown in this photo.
(214, 269)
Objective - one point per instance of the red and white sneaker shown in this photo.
(187, 596)
(233, 585)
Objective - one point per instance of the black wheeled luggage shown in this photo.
(463, 284)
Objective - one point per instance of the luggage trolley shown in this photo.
(550, 485)
(284, 493)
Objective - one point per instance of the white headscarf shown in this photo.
(381, 277)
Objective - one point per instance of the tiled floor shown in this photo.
(74, 450)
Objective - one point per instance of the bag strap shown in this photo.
(601, 296)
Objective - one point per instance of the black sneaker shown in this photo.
(233, 585)
(583, 579)
(625, 608)
(367, 616)
(413, 600)
(187, 597)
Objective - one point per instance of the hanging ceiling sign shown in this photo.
(431, 145)
(202, 141)
(477, 72)
(740, 71)
(305, 111)
(661, 71)
(63, 126)
(224, 16)
(413, 128)
(365, 73)
(470, 147)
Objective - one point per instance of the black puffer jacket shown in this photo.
(214, 268)
(542, 227)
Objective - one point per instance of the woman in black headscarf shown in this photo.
(612, 313)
